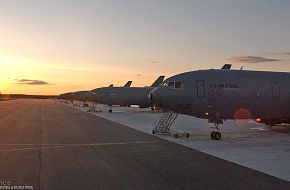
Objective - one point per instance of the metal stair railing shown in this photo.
(164, 124)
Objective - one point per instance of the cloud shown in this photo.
(250, 59)
(31, 82)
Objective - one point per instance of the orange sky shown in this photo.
(88, 44)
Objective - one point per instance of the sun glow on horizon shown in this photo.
(62, 77)
(89, 44)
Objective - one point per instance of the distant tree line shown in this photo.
(24, 96)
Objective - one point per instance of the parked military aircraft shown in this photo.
(81, 95)
(220, 94)
(65, 96)
(123, 96)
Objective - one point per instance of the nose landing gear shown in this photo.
(216, 135)
(110, 108)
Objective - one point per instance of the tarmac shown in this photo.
(47, 145)
(243, 142)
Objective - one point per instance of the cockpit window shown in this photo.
(164, 84)
(173, 85)
(170, 84)
(178, 85)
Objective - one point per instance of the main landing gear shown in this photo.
(110, 109)
(216, 135)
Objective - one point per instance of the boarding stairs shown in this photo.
(92, 108)
(164, 124)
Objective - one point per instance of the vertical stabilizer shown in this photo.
(128, 84)
(227, 66)
(158, 81)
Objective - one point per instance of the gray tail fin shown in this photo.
(128, 84)
(158, 81)
(227, 66)
(111, 85)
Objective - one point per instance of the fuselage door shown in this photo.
(200, 88)
(275, 90)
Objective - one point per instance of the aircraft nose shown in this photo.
(89, 96)
(163, 97)
(150, 96)
(154, 96)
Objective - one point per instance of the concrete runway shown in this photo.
(243, 142)
(52, 146)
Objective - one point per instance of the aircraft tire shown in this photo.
(176, 136)
(212, 135)
(153, 132)
(187, 135)
(110, 111)
(217, 136)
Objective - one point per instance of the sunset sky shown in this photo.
(57, 46)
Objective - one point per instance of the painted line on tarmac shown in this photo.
(52, 146)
